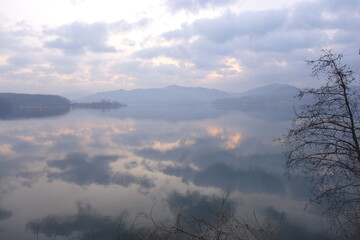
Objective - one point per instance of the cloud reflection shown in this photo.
(5, 214)
(252, 180)
(81, 169)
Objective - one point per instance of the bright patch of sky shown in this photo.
(64, 46)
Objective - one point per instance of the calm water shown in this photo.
(80, 172)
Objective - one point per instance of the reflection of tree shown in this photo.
(203, 217)
(85, 224)
(324, 143)
(197, 216)
(290, 229)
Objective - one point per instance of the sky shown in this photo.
(73, 46)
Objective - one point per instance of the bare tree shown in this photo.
(323, 143)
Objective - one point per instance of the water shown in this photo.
(75, 174)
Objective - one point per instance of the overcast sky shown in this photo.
(61, 46)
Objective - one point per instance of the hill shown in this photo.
(18, 106)
(276, 101)
(34, 100)
(168, 95)
(274, 89)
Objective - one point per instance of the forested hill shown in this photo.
(34, 100)
(20, 106)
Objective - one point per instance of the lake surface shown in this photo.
(79, 173)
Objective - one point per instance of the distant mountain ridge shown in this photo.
(271, 89)
(169, 95)
(274, 101)
(280, 93)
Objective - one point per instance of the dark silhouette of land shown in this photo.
(22, 106)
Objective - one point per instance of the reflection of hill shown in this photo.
(171, 113)
(19, 106)
(5, 107)
(269, 108)
(35, 112)
(103, 104)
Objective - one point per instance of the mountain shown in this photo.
(276, 101)
(281, 93)
(274, 89)
(168, 95)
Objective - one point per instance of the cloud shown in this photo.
(231, 25)
(228, 26)
(336, 6)
(6, 40)
(307, 18)
(6, 68)
(176, 51)
(195, 5)
(287, 41)
(149, 74)
(77, 37)
(124, 26)
(194, 57)
(62, 64)
(12, 39)
(324, 15)
(184, 33)
(268, 46)
(23, 60)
